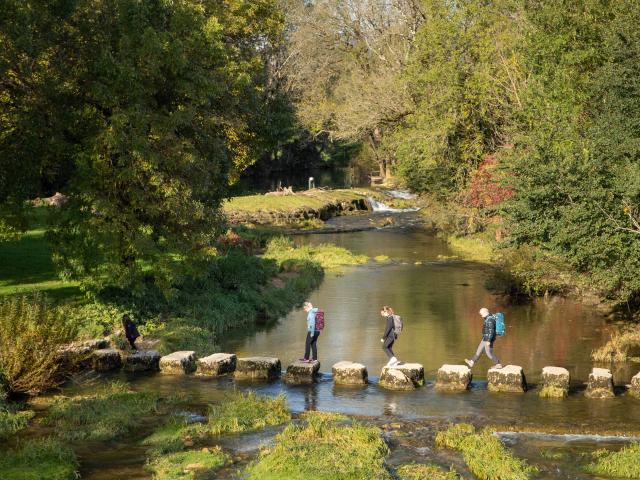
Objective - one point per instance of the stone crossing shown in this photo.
(555, 381)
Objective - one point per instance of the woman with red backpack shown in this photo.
(315, 323)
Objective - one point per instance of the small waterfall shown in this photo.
(403, 194)
(382, 208)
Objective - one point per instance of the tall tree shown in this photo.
(346, 60)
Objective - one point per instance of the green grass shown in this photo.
(109, 413)
(473, 247)
(190, 465)
(169, 438)
(417, 471)
(623, 464)
(484, 454)
(620, 348)
(12, 421)
(328, 256)
(315, 199)
(323, 450)
(245, 412)
(382, 259)
(26, 264)
(42, 459)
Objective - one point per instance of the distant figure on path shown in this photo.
(488, 337)
(130, 330)
(315, 323)
(390, 335)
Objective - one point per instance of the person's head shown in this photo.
(307, 306)
(484, 312)
(386, 311)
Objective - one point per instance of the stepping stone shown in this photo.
(75, 357)
(176, 363)
(600, 384)
(302, 372)
(413, 371)
(349, 373)
(395, 379)
(555, 382)
(106, 359)
(453, 378)
(634, 388)
(141, 361)
(258, 368)
(507, 379)
(216, 364)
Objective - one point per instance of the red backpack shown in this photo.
(319, 320)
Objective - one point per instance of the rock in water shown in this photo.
(395, 379)
(141, 361)
(349, 373)
(600, 384)
(453, 378)
(302, 372)
(217, 364)
(182, 362)
(555, 382)
(507, 379)
(258, 368)
(106, 359)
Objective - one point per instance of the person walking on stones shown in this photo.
(390, 335)
(130, 330)
(488, 337)
(314, 325)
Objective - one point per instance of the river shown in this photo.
(438, 297)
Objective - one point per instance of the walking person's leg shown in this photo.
(475, 358)
(488, 348)
(314, 345)
(387, 346)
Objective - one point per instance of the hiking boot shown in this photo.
(470, 363)
(304, 360)
(392, 362)
(498, 366)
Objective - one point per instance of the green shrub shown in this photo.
(109, 413)
(189, 465)
(416, 471)
(323, 450)
(244, 412)
(42, 459)
(31, 334)
(623, 464)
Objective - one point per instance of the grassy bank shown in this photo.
(42, 459)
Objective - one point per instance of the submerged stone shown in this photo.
(349, 373)
(453, 378)
(393, 378)
(555, 382)
(217, 364)
(258, 368)
(634, 388)
(182, 362)
(141, 361)
(507, 379)
(302, 372)
(600, 384)
(106, 359)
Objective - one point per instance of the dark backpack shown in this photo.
(397, 324)
(319, 320)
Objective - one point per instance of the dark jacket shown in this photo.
(389, 329)
(489, 329)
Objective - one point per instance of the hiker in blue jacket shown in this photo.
(312, 334)
(488, 337)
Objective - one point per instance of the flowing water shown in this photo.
(438, 297)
